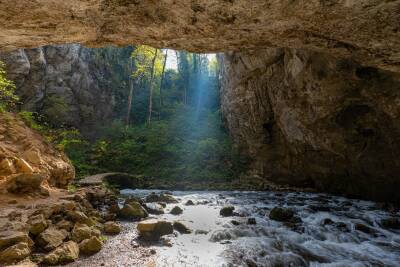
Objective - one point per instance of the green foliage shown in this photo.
(7, 97)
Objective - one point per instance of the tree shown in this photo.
(162, 82)
(7, 97)
(130, 96)
(151, 88)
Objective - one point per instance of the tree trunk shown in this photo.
(161, 84)
(130, 96)
(151, 89)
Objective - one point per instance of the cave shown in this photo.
(283, 115)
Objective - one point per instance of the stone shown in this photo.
(176, 210)
(112, 228)
(67, 252)
(166, 198)
(9, 238)
(25, 183)
(7, 167)
(82, 231)
(153, 229)
(364, 228)
(281, 214)
(391, 223)
(181, 228)
(78, 216)
(32, 156)
(251, 221)
(189, 203)
(90, 246)
(51, 238)
(23, 166)
(133, 211)
(64, 224)
(227, 211)
(15, 253)
(154, 208)
(37, 224)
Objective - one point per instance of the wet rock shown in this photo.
(364, 228)
(154, 208)
(234, 222)
(15, 253)
(133, 210)
(51, 238)
(176, 210)
(251, 221)
(251, 263)
(25, 183)
(153, 229)
(65, 253)
(281, 214)
(112, 228)
(327, 221)
(181, 228)
(90, 246)
(391, 223)
(189, 203)
(227, 211)
(37, 224)
(220, 235)
(82, 231)
(9, 238)
(342, 226)
(161, 198)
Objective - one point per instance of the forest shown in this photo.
(170, 131)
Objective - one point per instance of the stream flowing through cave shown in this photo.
(329, 231)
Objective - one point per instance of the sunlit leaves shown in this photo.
(7, 97)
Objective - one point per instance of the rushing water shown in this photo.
(315, 241)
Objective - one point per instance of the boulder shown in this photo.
(281, 214)
(364, 228)
(64, 224)
(15, 253)
(167, 198)
(227, 211)
(176, 210)
(154, 208)
(90, 246)
(65, 253)
(112, 228)
(51, 238)
(25, 183)
(82, 231)
(78, 216)
(37, 224)
(153, 229)
(189, 203)
(251, 221)
(9, 238)
(7, 167)
(133, 210)
(181, 228)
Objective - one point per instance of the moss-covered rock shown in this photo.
(281, 214)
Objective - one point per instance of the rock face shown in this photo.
(69, 84)
(369, 29)
(310, 119)
(27, 161)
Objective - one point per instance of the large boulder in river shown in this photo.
(153, 229)
(133, 210)
(181, 228)
(90, 246)
(154, 208)
(281, 214)
(65, 253)
(227, 211)
(176, 210)
(15, 253)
